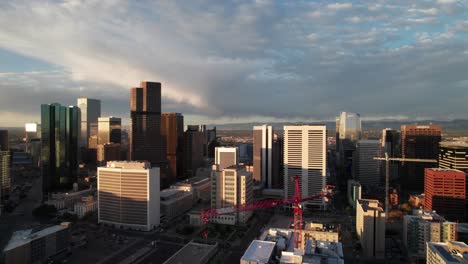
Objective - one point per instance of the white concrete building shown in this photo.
(128, 195)
(68, 199)
(305, 156)
(226, 156)
(370, 228)
(452, 252)
(175, 202)
(232, 186)
(87, 205)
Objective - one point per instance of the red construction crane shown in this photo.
(296, 200)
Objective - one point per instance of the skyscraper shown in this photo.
(226, 156)
(90, 112)
(418, 142)
(305, 156)
(366, 169)
(146, 141)
(4, 146)
(445, 191)
(172, 130)
(109, 130)
(59, 147)
(453, 155)
(262, 154)
(370, 228)
(4, 165)
(349, 126)
(391, 143)
(192, 150)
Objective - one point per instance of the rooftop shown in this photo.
(129, 164)
(451, 252)
(369, 204)
(22, 237)
(193, 181)
(445, 170)
(259, 251)
(455, 145)
(194, 253)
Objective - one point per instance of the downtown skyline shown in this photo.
(250, 61)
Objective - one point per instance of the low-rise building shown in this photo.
(87, 205)
(36, 246)
(175, 202)
(194, 253)
(199, 186)
(452, 252)
(276, 243)
(68, 199)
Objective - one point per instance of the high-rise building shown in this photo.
(192, 150)
(426, 226)
(59, 147)
(262, 155)
(418, 142)
(172, 130)
(129, 195)
(451, 252)
(109, 130)
(90, 112)
(277, 181)
(349, 126)
(231, 186)
(391, 144)
(108, 152)
(226, 156)
(445, 191)
(305, 156)
(4, 145)
(146, 141)
(366, 169)
(32, 133)
(5, 176)
(453, 155)
(370, 228)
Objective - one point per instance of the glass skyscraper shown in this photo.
(90, 112)
(349, 126)
(59, 147)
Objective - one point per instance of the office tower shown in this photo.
(90, 112)
(109, 130)
(37, 246)
(5, 175)
(262, 154)
(370, 228)
(453, 155)
(418, 142)
(192, 150)
(172, 130)
(391, 144)
(59, 147)
(423, 227)
(146, 141)
(445, 191)
(366, 169)
(277, 181)
(129, 195)
(451, 252)
(4, 145)
(108, 152)
(226, 156)
(231, 186)
(349, 126)
(305, 156)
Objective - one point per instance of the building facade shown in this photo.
(192, 150)
(232, 186)
(305, 156)
(60, 131)
(109, 130)
(370, 228)
(445, 191)
(175, 202)
(453, 155)
(262, 155)
(129, 195)
(452, 252)
(172, 130)
(366, 169)
(425, 226)
(391, 144)
(146, 141)
(108, 152)
(226, 157)
(4, 140)
(418, 142)
(90, 112)
(349, 126)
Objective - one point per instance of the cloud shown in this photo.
(340, 6)
(447, 1)
(243, 60)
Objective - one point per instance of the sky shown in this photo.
(238, 61)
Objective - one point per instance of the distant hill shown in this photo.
(452, 125)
